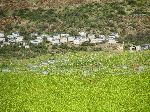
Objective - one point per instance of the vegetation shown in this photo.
(13, 51)
(34, 80)
(79, 81)
(129, 18)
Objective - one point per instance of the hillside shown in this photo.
(128, 18)
(20, 4)
(14, 4)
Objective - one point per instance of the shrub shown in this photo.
(54, 46)
(121, 11)
(87, 44)
(64, 46)
(140, 38)
(131, 2)
(97, 49)
(39, 48)
(79, 48)
(2, 13)
(82, 48)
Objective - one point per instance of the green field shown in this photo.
(76, 82)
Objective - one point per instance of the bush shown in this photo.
(140, 38)
(64, 46)
(39, 48)
(79, 48)
(121, 11)
(131, 2)
(82, 48)
(97, 49)
(138, 11)
(54, 46)
(86, 44)
(20, 52)
(2, 13)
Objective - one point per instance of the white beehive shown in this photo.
(56, 36)
(71, 39)
(112, 41)
(10, 36)
(138, 48)
(40, 38)
(27, 46)
(19, 39)
(77, 42)
(2, 39)
(64, 35)
(2, 35)
(83, 34)
(91, 36)
(15, 34)
(96, 40)
(102, 37)
(36, 41)
(55, 41)
(85, 39)
(64, 40)
(49, 39)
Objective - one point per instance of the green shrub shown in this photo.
(86, 44)
(2, 13)
(131, 2)
(97, 49)
(78, 48)
(64, 46)
(54, 46)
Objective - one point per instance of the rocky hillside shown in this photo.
(130, 18)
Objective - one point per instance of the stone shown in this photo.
(124, 67)
(51, 61)
(5, 70)
(45, 72)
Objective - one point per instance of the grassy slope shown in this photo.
(70, 91)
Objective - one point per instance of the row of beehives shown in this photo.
(59, 38)
(14, 38)
(76, 40)
(65, 38)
